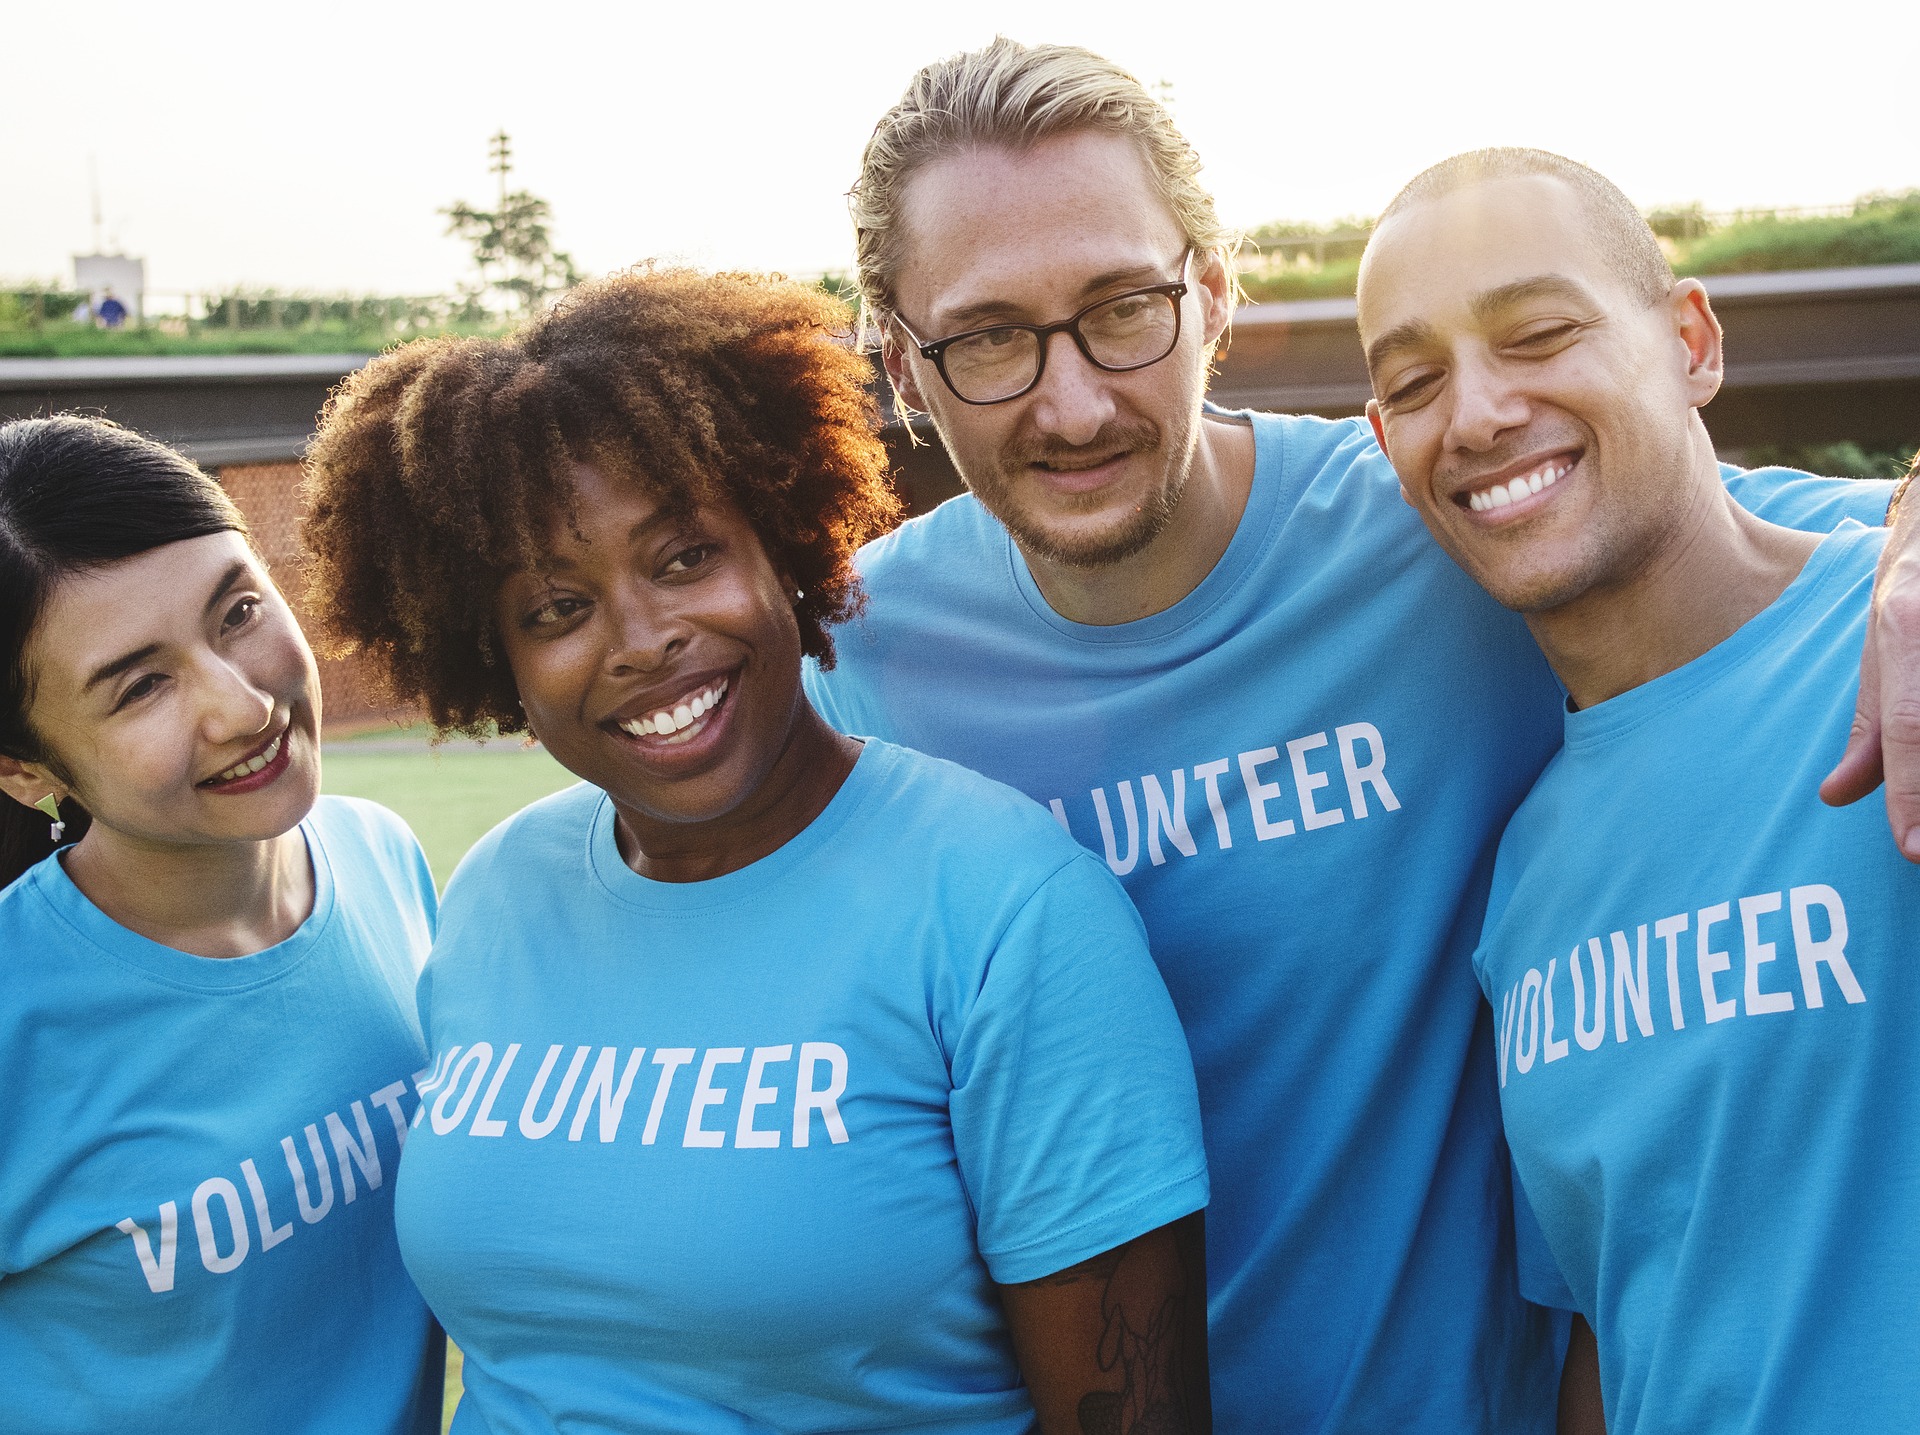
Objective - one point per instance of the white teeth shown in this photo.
(254, 763)
(670, 723)
(1501, 495)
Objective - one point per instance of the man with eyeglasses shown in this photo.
(1231, 661)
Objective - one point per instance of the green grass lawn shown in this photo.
(450, 796)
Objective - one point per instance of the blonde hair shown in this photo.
(1013, 95)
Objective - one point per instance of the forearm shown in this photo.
(1117, 1345)
(1581, 1412)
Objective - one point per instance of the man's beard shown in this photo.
(1131, 534)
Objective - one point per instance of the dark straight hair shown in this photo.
(76, 494)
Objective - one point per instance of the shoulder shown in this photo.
(1795, 499)
(955, 814)
(954, 538)
(541, 837)
(1308, 441)
(355, 823)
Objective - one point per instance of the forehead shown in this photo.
(1029, 228)
(1430, 261)
(159, 596)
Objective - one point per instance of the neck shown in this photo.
(1717, 569)
(220, 899)
(797, 788)
(1219, 478)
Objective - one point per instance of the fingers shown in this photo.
(1859, 770)
(1885, 741)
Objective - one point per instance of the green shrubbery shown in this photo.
(1305, 261)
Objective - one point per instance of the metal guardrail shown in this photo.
(1813, 357)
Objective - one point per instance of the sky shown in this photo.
(308, 147)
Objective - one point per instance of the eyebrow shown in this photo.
(106, 672)
(1416, 332)
(1540, 286)
(988, 310)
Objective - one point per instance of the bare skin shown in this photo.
(1581, 1411)
(638, 610)
(144, 701)
(1492, 362)
(1117, 1345)
(1088, 457)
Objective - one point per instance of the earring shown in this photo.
(50, 804)
(798, 594)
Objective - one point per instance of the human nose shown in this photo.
(236, 706)
(648, 631)
(1484, 405)
(1073, 399)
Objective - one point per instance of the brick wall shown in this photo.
(269, 495)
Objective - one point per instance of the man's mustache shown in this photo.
(1112, 440)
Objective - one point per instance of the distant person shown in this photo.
(112, 313)
(1229, 658)
(1702, 978)
(208, 1029)
(780, 1081)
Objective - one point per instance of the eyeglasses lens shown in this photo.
(1128, 332)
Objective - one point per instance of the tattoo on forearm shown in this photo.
(1141, 1341)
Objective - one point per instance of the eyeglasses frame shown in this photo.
(936, 351)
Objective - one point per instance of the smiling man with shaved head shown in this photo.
(1227, 656)
(1715, 1155)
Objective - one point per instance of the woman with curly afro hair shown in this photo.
(780, 1080)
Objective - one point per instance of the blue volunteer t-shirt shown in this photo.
(1299, 771)
(1706, 990)
(197, 1160)
(749, 1154)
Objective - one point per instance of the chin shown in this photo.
(1088, 540)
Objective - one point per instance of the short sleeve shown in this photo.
(1801, 500)
(1075, 1116)
(1540, 1278)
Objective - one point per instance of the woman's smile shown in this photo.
(689, 725)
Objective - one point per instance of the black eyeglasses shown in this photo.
(1004, 361)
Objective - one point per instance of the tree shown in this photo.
(512, 247)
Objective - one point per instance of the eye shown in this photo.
(240, 614)
(142, 687)
(555, 611)
(1412, 389)
(690, 558)
(1545, 338)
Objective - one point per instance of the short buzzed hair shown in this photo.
(1621, 231)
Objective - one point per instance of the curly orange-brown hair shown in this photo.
(442, 467)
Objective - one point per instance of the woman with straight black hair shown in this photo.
(208, 1025)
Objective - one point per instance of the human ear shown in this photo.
(27, 783)
(1213, 278)
(900, 372)
(1699, 332)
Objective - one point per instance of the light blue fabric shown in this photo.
(1299, 771)
(1706, 990)
(197, 1161)
(761, 1145)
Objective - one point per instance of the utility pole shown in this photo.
(93, 177)
(500, 162)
